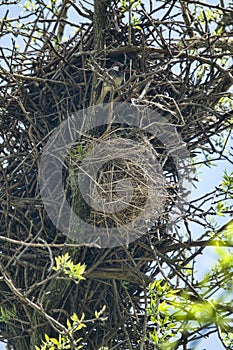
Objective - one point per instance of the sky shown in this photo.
(209, 179)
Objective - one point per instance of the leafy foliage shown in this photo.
(66, 265)
(69, 340)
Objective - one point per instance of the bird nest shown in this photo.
(125, 190)
(132, 195)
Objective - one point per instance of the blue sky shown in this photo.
(211, 178)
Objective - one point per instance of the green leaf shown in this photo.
(68, 324)
(163, 307)
(54, 341)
